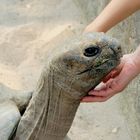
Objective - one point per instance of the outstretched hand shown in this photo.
(116, 81)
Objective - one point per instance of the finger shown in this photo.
(125, 76)
(89, 99)
(105, 91)
(98, 92)
(100, 86)
(112, 74)
(105, 79)
(115, 72)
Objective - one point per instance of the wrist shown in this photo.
(91, 28)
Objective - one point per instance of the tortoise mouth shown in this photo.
(108, 61)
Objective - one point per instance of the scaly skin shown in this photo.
(20, 98)
(70, 73)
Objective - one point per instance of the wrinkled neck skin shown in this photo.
(51, 110)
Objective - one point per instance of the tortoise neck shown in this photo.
(50, 112)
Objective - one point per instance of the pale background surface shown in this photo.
(27, 25)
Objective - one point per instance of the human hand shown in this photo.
(116, 81)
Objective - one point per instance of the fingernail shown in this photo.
(91, 93)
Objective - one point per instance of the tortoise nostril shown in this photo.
(115, 49)
(91, 51)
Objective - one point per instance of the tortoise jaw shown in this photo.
(84, 71)
(99, 65)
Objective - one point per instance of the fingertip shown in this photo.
(91, 92)
(99, 93)
(87, 99)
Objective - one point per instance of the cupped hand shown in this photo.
(116, 81)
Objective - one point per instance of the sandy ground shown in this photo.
(25, 28)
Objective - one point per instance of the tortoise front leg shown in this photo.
(9, 118)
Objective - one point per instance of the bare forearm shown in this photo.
(114, 12)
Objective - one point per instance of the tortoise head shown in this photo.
(89, 59)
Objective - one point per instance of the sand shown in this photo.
(25, 29)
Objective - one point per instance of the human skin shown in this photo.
(113, 13)
(118, 79)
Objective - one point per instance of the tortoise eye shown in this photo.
(91, 51)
